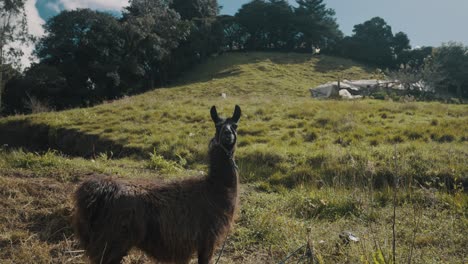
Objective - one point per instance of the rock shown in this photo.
(325, 90)
(223, 95)
(345, 94)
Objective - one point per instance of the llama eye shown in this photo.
(234, 126)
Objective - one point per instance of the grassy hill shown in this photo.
(324, 165)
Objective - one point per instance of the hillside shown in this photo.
(245, 78)
(303, 162)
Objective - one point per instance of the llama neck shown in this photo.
(223, 169)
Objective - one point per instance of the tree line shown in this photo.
(89, 56)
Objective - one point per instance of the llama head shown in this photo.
(226, 128)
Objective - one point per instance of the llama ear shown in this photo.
(214, 115)
(237, 114)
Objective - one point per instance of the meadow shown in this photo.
(308, 167)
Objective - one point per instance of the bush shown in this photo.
(310, 136)
(157, 162)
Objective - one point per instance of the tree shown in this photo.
(316, 25)
(87, 48)
(373, 42)
(204, 37)
(152, 31)
(450, 69)
(234, 36)
(190, 9)
(414, 58)
(41, 82)
(281, 27)
(13, 29)
(401, 43)
(267, 24)
(252, 17)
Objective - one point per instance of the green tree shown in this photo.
(204, 36)
(401, 43)
(373, 42)
(41, 83)
(414, 58)
(13, 29)
(450, 69)
(252, 17)
(152, 31)
(316, 25)
(234, 36)
(86, 47)
(281, 29)
(190, 9)
(267, 24)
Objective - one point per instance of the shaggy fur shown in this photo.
(170, 222)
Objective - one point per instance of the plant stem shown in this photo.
(395, 189)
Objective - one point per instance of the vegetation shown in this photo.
(449, 70)
(87, 57)
(13, 29)
(373, 42)
(325, 165)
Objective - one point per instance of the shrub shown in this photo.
(322, 122)
(157, 162)
(446, 138)
(33, 160)
(413, 135)
(310, 136)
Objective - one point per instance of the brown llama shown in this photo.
(168, 221)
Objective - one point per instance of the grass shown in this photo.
(325, 165)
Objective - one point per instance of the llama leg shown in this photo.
(205, 253)
(183, 261)
(109, 254)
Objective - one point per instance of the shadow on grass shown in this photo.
(52, 227)
(219, 67)
(41, 137)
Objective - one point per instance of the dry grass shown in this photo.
(35, 224)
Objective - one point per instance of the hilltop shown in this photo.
(328, 165)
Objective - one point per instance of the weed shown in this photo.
(157, 162)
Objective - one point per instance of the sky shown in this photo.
(426, 22)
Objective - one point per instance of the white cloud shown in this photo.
(54, 6)
(35, 22)
(95, 4)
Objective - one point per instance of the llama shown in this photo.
(168, 221)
